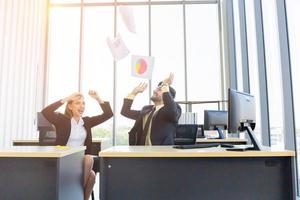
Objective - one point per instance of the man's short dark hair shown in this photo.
(171, 90)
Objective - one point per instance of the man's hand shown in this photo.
(169, 80)
(139, 89)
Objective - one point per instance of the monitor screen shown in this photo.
(241, 108)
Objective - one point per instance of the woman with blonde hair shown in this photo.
(74, 130)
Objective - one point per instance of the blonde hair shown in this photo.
(69, 112)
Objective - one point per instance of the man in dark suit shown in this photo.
(155, 124)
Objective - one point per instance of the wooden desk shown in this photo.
(162, 172)
(46, 173)
(97, 144)
(220, 141)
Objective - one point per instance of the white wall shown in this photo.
(22, 43)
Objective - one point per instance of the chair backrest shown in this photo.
(186, 134)
(47, 135)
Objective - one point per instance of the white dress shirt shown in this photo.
(78, 133)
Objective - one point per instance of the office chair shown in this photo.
(96, 169)
(93, 196)
(47, 135)
(186, 134)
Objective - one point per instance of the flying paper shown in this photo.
(117, 47)
(142, 66)
(128, 18)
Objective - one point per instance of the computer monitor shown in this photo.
(241, 115)
(216, 120)
(241, 108)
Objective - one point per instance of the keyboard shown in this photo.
(241, 149)
(194, 146)
(227, 145)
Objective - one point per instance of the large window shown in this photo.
(64, 52)
(253, 65)
(203, 59)
(167, 45)
(138, 45)
(238, 47)
(183, 39)
(97, 65)
(273, 71)
(293, 16)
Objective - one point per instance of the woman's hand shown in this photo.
(139, 89)
(95, 95)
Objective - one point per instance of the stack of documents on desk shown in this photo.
(188, 118)
(211, 134)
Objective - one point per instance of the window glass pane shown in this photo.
(97, 69)
(293, 16)
(238, 48)
(203, 56)
(253, 65)
(273, 71)
(167, 46)
(138, 45)
(63, 53)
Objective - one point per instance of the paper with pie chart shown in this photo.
(142, 66)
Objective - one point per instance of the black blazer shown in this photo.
(164, 122)
(62, 123)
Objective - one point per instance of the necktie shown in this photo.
(147, 124)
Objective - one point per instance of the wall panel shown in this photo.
(22, 46)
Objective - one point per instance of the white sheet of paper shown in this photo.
(142, 66)
(211, 134)
(117, 47)
(128, 18)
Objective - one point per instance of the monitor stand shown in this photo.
(220, 132)
(256, 144)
